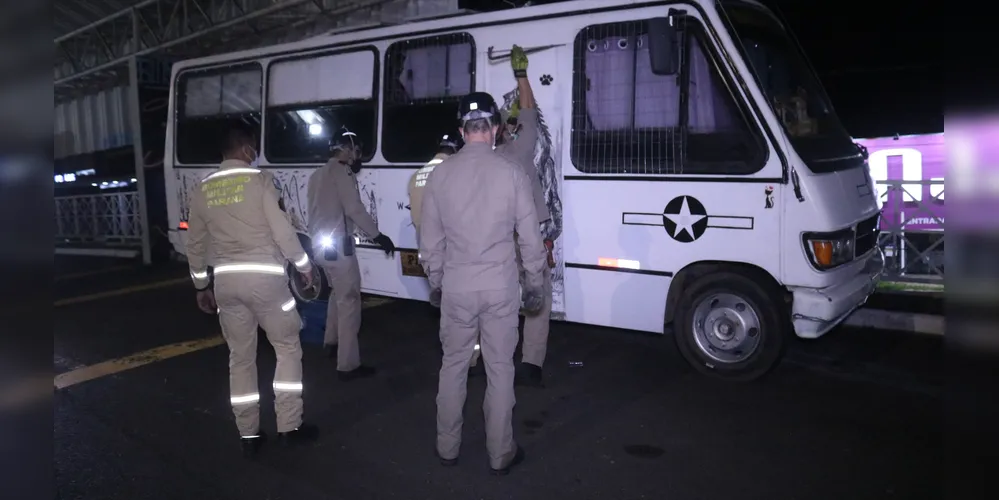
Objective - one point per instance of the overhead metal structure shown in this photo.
(91, 56)
(107, 43)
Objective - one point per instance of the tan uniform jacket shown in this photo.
(521, 152)
(473, 203)
(237, 207)
(335, 207)
(416, 184)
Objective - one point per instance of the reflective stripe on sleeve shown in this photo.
(302, 262)
(231, 171)
(200, 278)
(287, 306)
(245, 399)
(288, 386)
(250, 268)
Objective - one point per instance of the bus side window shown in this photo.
(421, 100)
(628, 120)
(209, 104)
(311, 98)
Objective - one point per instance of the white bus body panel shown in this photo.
(609, 222)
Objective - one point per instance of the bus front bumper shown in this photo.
(815, 311)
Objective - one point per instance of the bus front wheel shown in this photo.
(729, 326)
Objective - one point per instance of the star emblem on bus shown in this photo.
(685, 219)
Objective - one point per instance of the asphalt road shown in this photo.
(854, 415)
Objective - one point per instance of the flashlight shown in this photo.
(329, 253)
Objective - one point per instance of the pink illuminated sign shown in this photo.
(909, 158)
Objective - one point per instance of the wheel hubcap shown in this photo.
(726, 328)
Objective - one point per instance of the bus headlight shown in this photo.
(829, 250)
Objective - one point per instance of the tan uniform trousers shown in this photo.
(536, 326)
(465, 316)
(343, 315)
(245, 301)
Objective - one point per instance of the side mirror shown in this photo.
(664, 50)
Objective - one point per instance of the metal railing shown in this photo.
(112, 218)
(912, 231)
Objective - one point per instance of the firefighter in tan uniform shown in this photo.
(517, 143)
(335, 208)
(236, 208)
(449, 145)
(473, 203)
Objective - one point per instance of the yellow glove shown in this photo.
(515, 109)
(518, 60)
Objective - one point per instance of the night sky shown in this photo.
(881, 61)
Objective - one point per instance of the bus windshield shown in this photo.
(792, 88)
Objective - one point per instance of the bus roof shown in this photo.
(416, 27)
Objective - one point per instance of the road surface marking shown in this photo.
(113, 366)
(103, 369)
(120, 291)
(95, 272)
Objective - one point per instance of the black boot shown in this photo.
(517, 459)
(528, 375)
(251, 444)
(359, 372)
(304, 434)
(331, 350)
(446, 462)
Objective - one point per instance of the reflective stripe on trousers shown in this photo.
(248, 300)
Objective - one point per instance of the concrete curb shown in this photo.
(98, 252)
(925, 324)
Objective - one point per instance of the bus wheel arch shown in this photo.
(730, 320)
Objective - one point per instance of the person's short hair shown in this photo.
(477, 126)
(237, 139)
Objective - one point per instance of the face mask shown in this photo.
(355, 166)
(256, 159)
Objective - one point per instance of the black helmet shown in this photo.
(344, 139)
(478, 105)
(451, 143)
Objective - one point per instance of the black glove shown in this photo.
(435, 297)
(533, 299)
(386, 243)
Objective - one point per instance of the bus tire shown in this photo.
(730, 326)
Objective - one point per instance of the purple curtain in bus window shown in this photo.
(421, 75)
(657, 98)
(709, 107)
(619, 70)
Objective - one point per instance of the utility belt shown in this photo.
(335, 246)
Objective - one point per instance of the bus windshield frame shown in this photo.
(791, 87)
